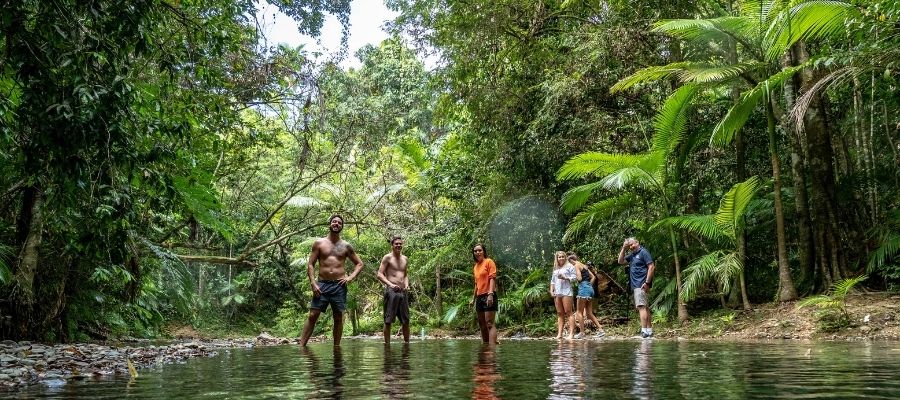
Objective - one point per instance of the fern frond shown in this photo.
(703, 30)
(715, 73)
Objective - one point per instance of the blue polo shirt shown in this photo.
(638, 263)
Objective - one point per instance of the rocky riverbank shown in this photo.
(26, 363)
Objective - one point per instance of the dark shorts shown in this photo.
(396, 305)
(332, 293)
(481, 303)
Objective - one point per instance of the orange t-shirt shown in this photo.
(484, 271)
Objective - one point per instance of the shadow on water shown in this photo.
(458, 369)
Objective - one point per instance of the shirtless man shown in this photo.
(331, 287)
(392, 272)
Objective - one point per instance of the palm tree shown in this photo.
(764, 30)
(631, 174)
(727, 224)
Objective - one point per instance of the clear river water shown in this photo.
(539, 369)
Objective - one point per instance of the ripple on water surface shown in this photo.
(651, 369)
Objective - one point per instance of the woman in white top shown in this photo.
(561, 290)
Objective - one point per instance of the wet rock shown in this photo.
(9, 343)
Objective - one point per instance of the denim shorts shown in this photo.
(332, 293)
(585, 290)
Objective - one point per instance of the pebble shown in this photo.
(24, 363)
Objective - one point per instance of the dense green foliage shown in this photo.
(161, 165)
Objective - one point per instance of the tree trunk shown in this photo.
(438, 301)
(786, 291)
(682, 308)
(805, 242)
(31, 224)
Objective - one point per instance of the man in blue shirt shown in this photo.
(640, 274)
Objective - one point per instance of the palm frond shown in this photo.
(820, 301)
(704, 225)
(670, 121)
(649, 74)
(414, 152)
(665, 300)
(886, 251)
(575, 198)
(843, 287)
(808, 20)
(703, 30)
(631, 176)
(714, 73)
(598, 212)
(737, 116)
(593, 163)
(699, 272)
(730, 216)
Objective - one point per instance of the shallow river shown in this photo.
(458, 369)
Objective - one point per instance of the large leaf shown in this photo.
(719, 265)
(704, 30)
(596, 164)
(598, 212)
(807, 20)
(703, 225)
(730, 216)
(670, 121)
(649, 74)
(576, 197)
(737, 116)
(886, 251)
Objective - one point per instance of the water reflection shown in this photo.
(395, 383)
(326, 382)
(643, 384)
(566, 380)
(485, 374)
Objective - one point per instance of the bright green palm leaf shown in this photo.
(737, 116)
(576, 197)
(596, 164)
(807, 20)
(699, 272)
(730, 216)
(889, 248)
(703, 30)
(599, 211)
(649, 74)
(669, 123)
(706, 73)
(704, 225)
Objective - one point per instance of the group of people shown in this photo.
(570, 278)
(573, 284)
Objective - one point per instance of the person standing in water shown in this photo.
(640, 274)
(485, 271)
(561, 291)
(393, 274)
(331, 287)
(585, 279)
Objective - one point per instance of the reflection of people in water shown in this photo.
(643, 383)
(565, 371)
(485, 374)
(395, 384)
(324, 381)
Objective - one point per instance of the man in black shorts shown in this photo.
(392, 272)
(331, 288)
